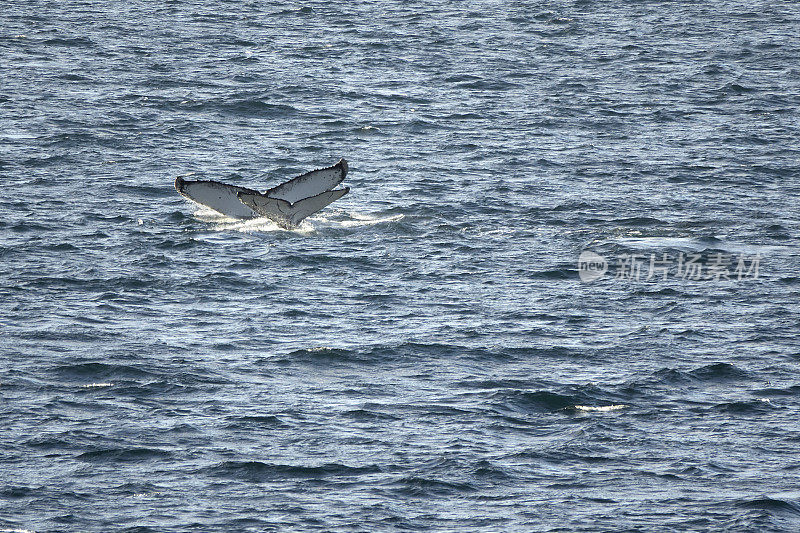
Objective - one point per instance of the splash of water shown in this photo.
(340, 219)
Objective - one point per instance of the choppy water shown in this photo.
(422, 355)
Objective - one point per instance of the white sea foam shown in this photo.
(358, 219)
(600, 408)
(335, 219)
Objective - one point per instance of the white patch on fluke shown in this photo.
(310, 184)
(289, 215)
(220, 197)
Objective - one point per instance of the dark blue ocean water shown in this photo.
(423, 354)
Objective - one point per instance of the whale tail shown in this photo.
(286, 204)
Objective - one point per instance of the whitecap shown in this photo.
(600, 408)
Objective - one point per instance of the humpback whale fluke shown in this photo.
(286, 204)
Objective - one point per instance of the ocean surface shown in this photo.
(426, 354)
